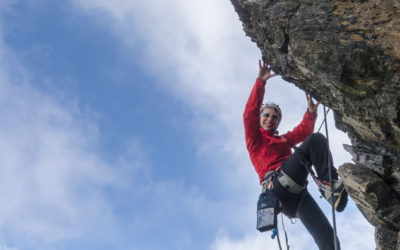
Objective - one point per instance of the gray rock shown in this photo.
(386, 238)
(347, 54)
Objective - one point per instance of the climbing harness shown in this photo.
(268, 204)
(289, 184)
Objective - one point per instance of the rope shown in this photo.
(275, 232)
(286, 237)
(322, 123)
(279, 241)
(330, 180)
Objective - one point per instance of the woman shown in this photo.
(271, 153)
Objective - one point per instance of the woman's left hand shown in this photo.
(312, 107)
(265, 72)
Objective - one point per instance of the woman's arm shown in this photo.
(251, 115)
(306, 127)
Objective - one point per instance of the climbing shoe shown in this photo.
(339, 197)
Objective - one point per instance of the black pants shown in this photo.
(315, 150)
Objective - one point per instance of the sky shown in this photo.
(121, 128)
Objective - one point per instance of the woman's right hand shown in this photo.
(265, 72)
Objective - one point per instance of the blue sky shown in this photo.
(122, 129)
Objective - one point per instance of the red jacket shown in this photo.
(267, 151)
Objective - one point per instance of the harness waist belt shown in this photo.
(289, 183)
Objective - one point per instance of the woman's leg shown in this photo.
(295, 169)
(315, 149)
(316, 223)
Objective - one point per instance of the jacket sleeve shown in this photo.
(251, 115)
(303, 130)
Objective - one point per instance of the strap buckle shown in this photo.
(268, 183)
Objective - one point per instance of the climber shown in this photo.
(271, 153)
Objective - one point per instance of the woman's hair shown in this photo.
(273, 106)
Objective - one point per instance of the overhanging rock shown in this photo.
(346, 53)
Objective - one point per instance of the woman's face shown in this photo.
(269, 119)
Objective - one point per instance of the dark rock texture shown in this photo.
(346, 53)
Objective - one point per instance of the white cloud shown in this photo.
(195, 48)
(4, 247)
(255, 242)
(52, 179)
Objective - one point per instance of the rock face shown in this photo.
(346, 53)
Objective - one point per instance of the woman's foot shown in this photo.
(339, 197)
